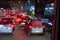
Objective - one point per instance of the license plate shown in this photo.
(34, 29)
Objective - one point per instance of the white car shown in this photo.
(6, 26)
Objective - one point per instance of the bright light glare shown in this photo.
(5, 20)
(51, 8)
(18, 19)
(46, 8)
(32, 8)
(12, 26)
(22, 23)
(1, 26)
(50, 23)
(30, 26)
(24, 15)
(43, 26)
(52, 4)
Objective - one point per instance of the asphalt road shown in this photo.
(20, 35)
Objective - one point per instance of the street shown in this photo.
(20, 35)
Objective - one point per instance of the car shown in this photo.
(47, 23)
(50, 26)
(34, 27)
(22, 20)
(6, 25)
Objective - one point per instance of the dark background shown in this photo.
(5, 4)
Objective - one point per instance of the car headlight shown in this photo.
(50, 23)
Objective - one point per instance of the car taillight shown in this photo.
(12, 25)
(5, 21)
(44, 26)
(30, 27)
(19, 19)
(8, 15)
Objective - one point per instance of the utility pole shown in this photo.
(55, 27)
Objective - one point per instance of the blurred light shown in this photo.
(32, 8)
(33, 12)
(50, 23)
(5, 20)
(30, 27)
(52, 4)
(25, 17)
(1, 26)
(46, 8)
(21, 7)
(2, 8)
(19, 19)
(24, 14)
(12, 25)
(43, 26)
(23, 23)
(28, 1)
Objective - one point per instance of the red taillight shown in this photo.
(12, 25)
(5, 21)
(52, 4)
(44, 26)
(19, 19)
(30, 27)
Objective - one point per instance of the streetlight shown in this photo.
(19, 1)
(52, 4)
(28, 1)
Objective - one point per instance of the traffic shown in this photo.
(23, 20)
(10, 19)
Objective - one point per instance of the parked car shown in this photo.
(50, 26)
(47, 23)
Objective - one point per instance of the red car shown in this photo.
(34, 27)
